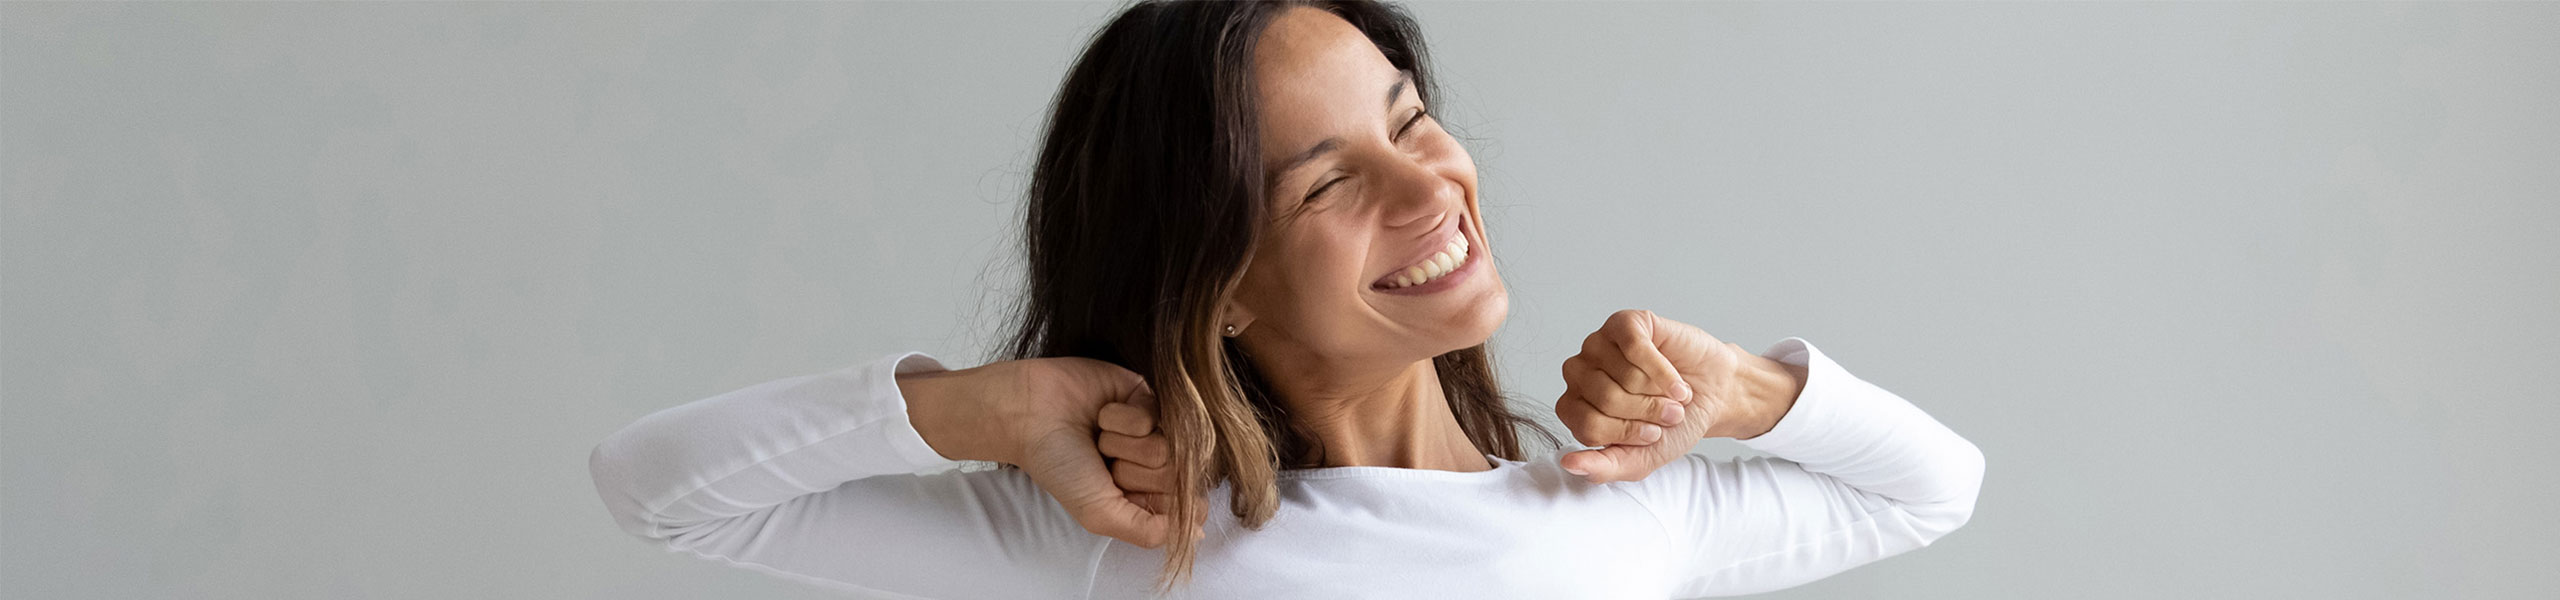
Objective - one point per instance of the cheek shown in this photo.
(1312, 280)
(1329, 273)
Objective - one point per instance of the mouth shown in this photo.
(1440, 266)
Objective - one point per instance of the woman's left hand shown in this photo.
(1646, 389)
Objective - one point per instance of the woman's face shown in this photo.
(1375, 251)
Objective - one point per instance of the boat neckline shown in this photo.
(1502, 469)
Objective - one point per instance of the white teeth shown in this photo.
(1440, 263)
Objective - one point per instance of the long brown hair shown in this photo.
(1143, 212)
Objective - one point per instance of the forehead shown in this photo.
(1316, 75)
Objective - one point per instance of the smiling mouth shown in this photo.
(1440, 264)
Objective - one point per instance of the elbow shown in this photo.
(633, 494)
(1970, 483)
(1964, 481)
(616, 485)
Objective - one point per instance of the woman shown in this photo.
(1259, 290)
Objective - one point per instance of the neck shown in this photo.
(1396, 417)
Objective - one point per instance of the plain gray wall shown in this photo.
(331, 301)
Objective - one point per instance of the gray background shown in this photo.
(330, 301)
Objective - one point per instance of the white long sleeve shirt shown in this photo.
(815, 478)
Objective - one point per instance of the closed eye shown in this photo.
(1418, 114)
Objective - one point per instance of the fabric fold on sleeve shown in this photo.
(819, 478)
(1848, 428)
(1855, 474)
(758, 446)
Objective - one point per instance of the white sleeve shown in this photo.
(1859, 474)
(814, 478)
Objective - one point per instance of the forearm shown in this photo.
(816, 477)
(757, 447)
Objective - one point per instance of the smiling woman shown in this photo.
(1251, 362)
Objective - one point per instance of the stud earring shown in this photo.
(1231, 330)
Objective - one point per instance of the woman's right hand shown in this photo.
(1046, 415)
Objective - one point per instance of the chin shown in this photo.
(1476, 324)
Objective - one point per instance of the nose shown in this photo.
(1419, 194)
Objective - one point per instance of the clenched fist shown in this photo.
(1646, 389)
(1054, 418)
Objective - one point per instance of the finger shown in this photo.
(1134, 477)
(1619, 463)
(1128, 522)
(1073, 473)
(1645, 373)
(1153, 502)
(1639, 363)
(1126, 419)
(1615, 400)
(1593, 428)
(1162, 504)
(1152, 450)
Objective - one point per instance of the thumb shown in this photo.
(1616, 462)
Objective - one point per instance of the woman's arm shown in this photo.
(1859, 474)
(812, 477)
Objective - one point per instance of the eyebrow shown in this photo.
(1403, 76)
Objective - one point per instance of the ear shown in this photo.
(1233, 313)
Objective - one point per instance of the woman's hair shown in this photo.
(1144, 210)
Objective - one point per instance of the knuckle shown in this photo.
(1625, 333)
(1592, 429)
(1629, 317)
(1639, 432)
(1588, 439)
(1583, 380)
(1569, 409)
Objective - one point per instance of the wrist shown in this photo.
(1768, 389)
(934, 408)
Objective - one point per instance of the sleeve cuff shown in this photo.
(901, 427)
